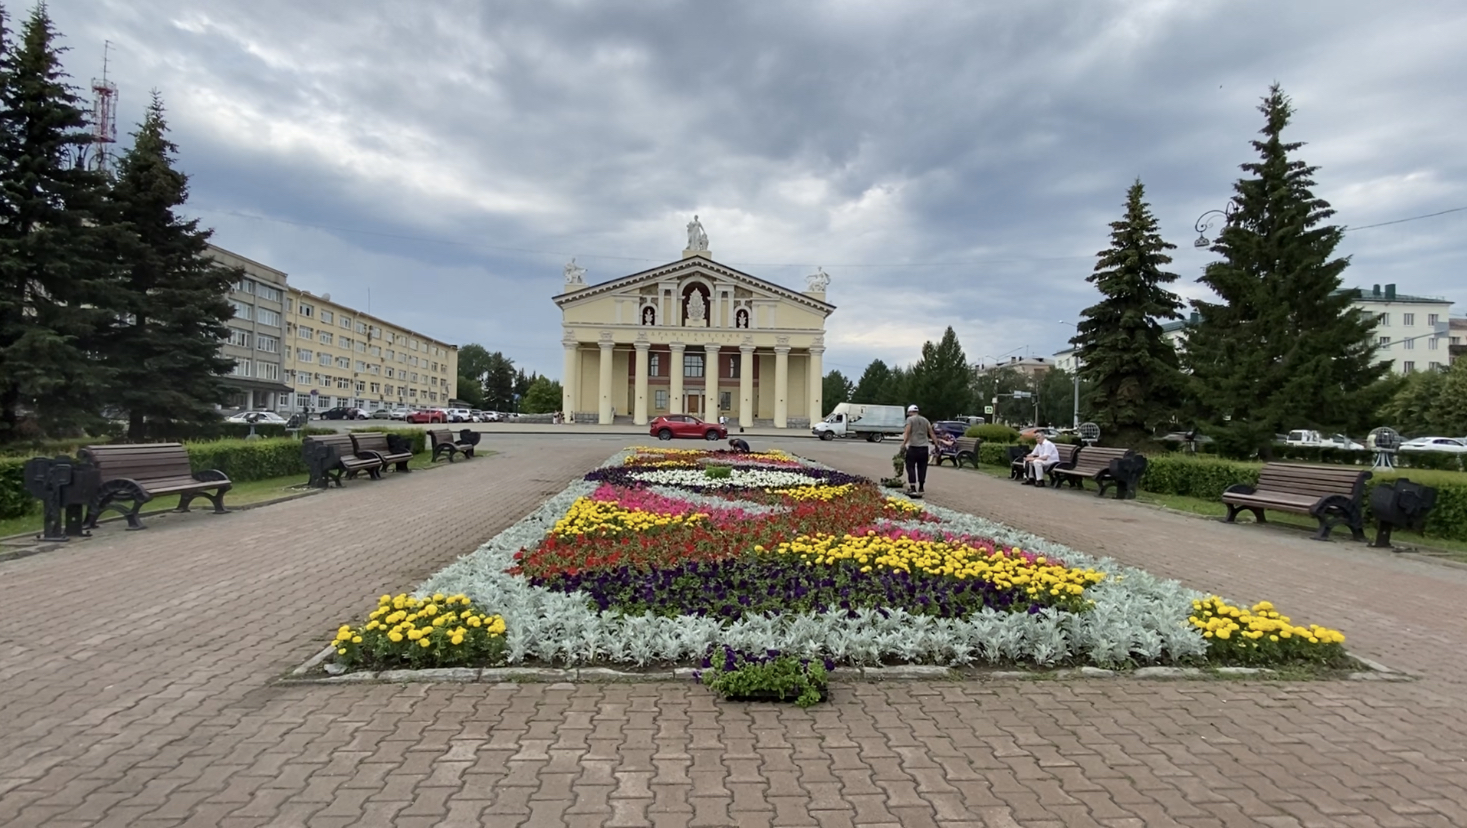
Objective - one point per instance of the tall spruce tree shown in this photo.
(872, 384)
(54, 283)
(939, 379)
(164, 349)
(1284, 348)
(1134, 380)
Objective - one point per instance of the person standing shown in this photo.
(1038, 462)
(917, 440)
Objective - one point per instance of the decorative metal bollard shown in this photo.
(320, 459)
(63, 486)
(1400, 503)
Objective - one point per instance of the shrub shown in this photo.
(772, 676)
(718, 472)
(417, 437)
(14, 501)
(413, 633)
(1200, 477)
(993, 433)
(245, 460)
(994, 454)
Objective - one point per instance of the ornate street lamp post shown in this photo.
(1206, 221)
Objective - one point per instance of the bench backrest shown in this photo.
(1316, 481)
(1099, 457)
(442, 435)
(1066, 453)
(341, 442)
(371, 441)
(966, 444)
(141, 462)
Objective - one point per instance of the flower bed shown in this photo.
(649, 560)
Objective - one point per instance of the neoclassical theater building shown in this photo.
(693, 337)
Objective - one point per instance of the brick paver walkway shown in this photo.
(136, 689)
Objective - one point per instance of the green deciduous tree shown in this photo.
(1448, 415)
(1409, 411)
(835, 389)
(1135, 384)
(54, 279)
(473, 362)
(873, 381)
(1283, 348)
(940, 379)
(163, 348)
(499, 383)
(543, 397)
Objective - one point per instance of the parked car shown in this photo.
(1307, 438)
(400, 413)
(261, 417)
(427, 415)
(1447, 444)
(458, 415)
(342, 412)
(669, 426)
(1033, 431)
(956, 428)
(382, 414)
(476, 416)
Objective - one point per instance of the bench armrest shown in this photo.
(1240, 488)
(369, 454)
(211, 476)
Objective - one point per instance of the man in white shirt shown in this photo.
(1038, 462)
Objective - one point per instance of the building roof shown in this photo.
(1371, 296)
(663, 270)
(365, 315)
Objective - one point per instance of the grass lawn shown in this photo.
(1439, 547)
(254, 491)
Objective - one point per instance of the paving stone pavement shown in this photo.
(137, 689)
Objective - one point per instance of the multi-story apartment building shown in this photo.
(1412, 332)
(255, 334)
(338, 356)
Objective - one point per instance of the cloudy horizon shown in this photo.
(946, 163)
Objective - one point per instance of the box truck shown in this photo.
(873, 422)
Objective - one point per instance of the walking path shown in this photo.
(136, 689)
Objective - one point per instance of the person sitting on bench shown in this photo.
(738, 444)
(1038, 462)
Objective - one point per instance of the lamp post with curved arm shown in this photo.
(1208, 219)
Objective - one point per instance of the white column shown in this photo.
(639, 412)
(570, 378)
(604, 415)
(815, 378)
(781, 386)
(675, 376)
(710, 383)
(746, 386)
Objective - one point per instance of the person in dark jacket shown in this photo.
(737, 444)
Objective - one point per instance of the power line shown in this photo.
(849, 266)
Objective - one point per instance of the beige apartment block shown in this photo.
(255, 335)
(339, 356)
(693, 337)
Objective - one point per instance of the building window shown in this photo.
(346, 342)
(289, 305)
(307, 310)
(1456, 340)
(239, 338)
(244, 286)
(343, 382)
(305, 333)
(1408, 367)
(326, 317)
(692, 365)
(242, 368)
(268, 317)
(241, 310)
(361, 327)
(361, 386)
(376, 388)
(326, 338)
(268, 293)
(414, 377)
(361, 366)
(268, 370)
(1436, 366)
(654, 366)
(1384, 319)
(343, 362)
(725, 400)
(324, 358)
(1431, 319)
(660, 400)
(1385, 340)
(1408, 319)
(733, 368)
(268, 344)
(323, 380)
(361, 347)
(305, 356)
(1408, 344)
(1431, 344)
(377, 369)
(390, 373)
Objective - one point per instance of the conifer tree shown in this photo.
(939, 381)
(164, 349)
(872, 384)
(54, 284)
(1284, 348)
(1135, 384)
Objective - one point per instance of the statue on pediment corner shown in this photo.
(818, 281)
(574, 273)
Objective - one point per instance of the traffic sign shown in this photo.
(987, 409)
(1022, 395)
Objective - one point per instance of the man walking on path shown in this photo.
(917, 440)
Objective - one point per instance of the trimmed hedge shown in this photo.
(994, 454)
(993, 433)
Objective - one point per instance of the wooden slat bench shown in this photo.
(1118, 467)
(964, 450)
(392, 450)
(139, 473)
(1018, 453)
(1331, 495)
(329, 457)
(445, 444)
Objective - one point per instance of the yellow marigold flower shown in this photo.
(456, 640)
(424, 643)
(395, 637)
(356, 639)
(341, 652)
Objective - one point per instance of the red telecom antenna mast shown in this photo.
(104, 116)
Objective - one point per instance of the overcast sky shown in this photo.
(946, 163)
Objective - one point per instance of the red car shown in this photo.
(669, 426)
(427, 415)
